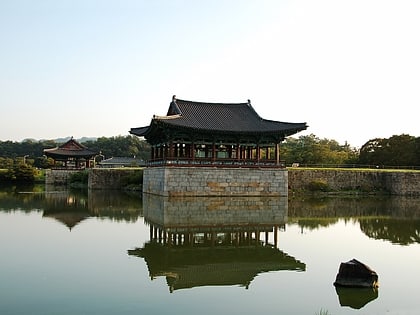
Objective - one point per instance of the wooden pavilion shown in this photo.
(71, 155)
(215, 134)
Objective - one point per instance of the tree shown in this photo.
(23, 173)
(398, 150)
(120, 146)
(312, 150)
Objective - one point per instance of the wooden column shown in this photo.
(275, 235)
(238, 152)
(171, 150)
(277, 154)
(258, 153)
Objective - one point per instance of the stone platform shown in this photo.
(215, 181)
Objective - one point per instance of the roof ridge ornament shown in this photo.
(173, 108)
(167, 117)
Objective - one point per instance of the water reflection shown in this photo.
(395, 219)
(70, 207)
(214, 241)
(356, 297)
(402, 231)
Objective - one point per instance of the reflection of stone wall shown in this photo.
(396, 183)
(209, 181)
(215, 211)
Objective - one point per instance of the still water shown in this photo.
(65, 252)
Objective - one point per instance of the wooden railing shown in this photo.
(220, 162)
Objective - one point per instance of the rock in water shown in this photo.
(356, 274)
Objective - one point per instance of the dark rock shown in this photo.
(356, 274)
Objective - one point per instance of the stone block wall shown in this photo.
(105, 178)
(395, 183)
(58, 177)
(209, 181)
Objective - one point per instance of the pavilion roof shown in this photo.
(227, 118)
(71, 148)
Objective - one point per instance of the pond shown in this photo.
(97, 252)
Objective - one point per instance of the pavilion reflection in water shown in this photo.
(214, 241)
(72, 207)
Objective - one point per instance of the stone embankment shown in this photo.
(368, 181)
(58, 177)
(298, 180)
(117, 178)
(211, 181)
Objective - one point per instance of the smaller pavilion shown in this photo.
(71, 155)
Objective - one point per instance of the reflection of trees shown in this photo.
(313, 224)
(115, 205)
(398, 231)
(339, 207)
(22, 198)
(313, 213)
(72, 206)
(396, 219)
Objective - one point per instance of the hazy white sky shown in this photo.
(350, 69)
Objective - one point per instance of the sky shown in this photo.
(96, 68)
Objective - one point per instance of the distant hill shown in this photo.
(83, 139)
(61, 140)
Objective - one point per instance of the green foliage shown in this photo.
(4, 175)
(134, 178)
(32, 152)
(318, 185)
(24, 173)
(19, 172)
(312, 150)
(402, 150)
(6, 163)
(79, 177)
(128, 146)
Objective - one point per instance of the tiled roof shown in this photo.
(219, 117)
(124, 161)
(70, 148)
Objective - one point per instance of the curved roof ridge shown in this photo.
(211, 103)
(207, 117)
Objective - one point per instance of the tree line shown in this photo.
(396, 151)
(402, 151)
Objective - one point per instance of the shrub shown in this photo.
(79, 177)
(134, 178)
(318, 185)
(23, 173)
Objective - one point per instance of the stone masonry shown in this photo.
(395, 183)
(212, 181)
